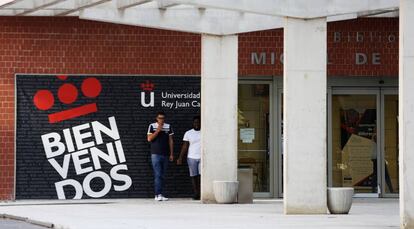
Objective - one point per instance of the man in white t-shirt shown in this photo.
(191, 147)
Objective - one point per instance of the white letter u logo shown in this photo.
(151, 102)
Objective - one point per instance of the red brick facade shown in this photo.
(72, 46)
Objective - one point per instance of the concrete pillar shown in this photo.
(406, 113)
(219, 63)
(304, 115)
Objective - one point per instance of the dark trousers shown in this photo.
(374, 177)
(159, 165)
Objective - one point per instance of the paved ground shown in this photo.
(14, 224)
(143, 214)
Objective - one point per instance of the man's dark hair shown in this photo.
(197, 117)
(160, 113)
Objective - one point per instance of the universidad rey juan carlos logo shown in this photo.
(82, 147)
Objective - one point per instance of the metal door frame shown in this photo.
(384, 92)
(280, 142)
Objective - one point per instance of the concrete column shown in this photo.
(219, 63)
(406, 113)
(304, 115)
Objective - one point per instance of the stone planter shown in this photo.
(225, 192)
(340, 200)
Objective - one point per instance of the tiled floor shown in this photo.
(178, 213)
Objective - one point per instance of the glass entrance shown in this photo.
(364, 141)
(354, 142)
(254, 133)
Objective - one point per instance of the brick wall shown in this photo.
(341, 53)
(261, 42)
(380, 36)
(69, 45)
(72, 46)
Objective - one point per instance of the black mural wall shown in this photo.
(51, 104)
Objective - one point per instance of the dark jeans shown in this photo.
(374, 177)
(159, 165)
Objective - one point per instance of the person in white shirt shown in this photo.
(192, 148)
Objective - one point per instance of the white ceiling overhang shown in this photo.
(306, 9)
(218, 17)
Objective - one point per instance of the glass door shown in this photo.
(363, 147)
(390, 165)
(254, 134)
(354, 159)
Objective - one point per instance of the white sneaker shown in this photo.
(162, 198)
(157, 198)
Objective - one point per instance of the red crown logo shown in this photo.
(147, 86)
(67, 94)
